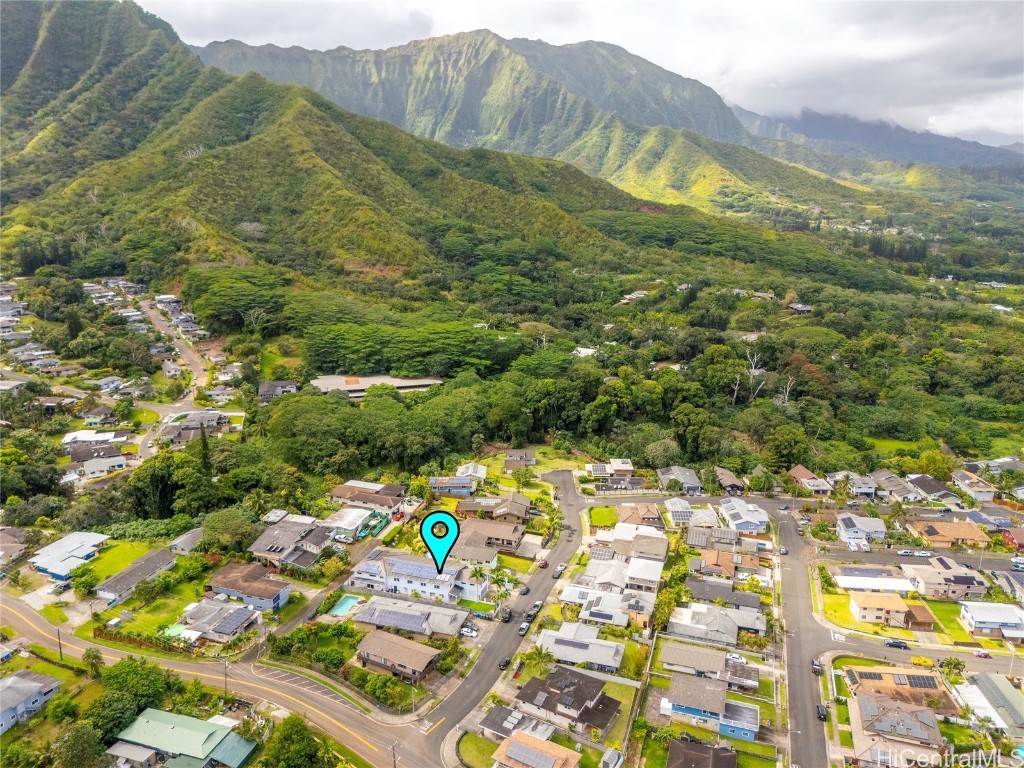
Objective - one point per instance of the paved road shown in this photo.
(418, 745)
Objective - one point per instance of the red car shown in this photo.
(542, 563)
(397, 516)
(983, 654)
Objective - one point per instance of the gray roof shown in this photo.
(708, 591)
(699, 692)
(693, 656)
(140, 570)
(706, 538)
(928, 485)
(281, 538)
(686, 476)
(899, 720)
(685, 754)
(188, 540)
(574, 643)
(413, 617)
(18, 688)
(1003, 697)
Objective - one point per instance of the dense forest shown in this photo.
(286, 223)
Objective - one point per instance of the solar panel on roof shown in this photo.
(922, 681)
(870, 675)
(851, 676)
(572, 644)
(899, 679)
(232, 622)
(528, 755)
(601, 615)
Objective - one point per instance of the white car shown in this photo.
(468, 632)
(864, 546)
(1017, 559)
(923, 553)
(735, 657)
(906, 552)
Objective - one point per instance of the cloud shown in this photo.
(943, 65)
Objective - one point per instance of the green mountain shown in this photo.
(613, 114)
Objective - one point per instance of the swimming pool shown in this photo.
(343, 606)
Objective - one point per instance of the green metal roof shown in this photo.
(182, 761)
(233, 751)
(174, 734)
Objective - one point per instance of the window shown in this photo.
(732, 730)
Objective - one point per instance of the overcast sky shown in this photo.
(955, 68)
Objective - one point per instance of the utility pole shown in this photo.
(394, 756)
(225, 678)
(60, 647)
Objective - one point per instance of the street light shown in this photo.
(1013, 656)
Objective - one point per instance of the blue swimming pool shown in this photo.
(343, 606)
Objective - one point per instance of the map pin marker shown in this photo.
(439, 531)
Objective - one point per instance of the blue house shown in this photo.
(453, 486)
(251, 583)
(59, 559)
(701, 701)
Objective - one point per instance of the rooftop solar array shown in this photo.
(232, 621)
(870, 675)
(922, 681)
(572, 644)
(407, 620)
(529, 756)
(851, 676)
(679, 516)
(899, 679)
(416, 570)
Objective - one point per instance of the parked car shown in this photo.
(1017, 559)
(542, 563)
(735, 657)
(864, 546)
(983, 654)
(901, 644)
(467, 632)
(968, 566)
(854, 503)
(815, 666)
(1017, 566)
(922, 661)
(503, 664)
(924, 553)
(559, 570)
(538, 604)
(784, 507)
(524, 591)
(506, 615)
(822, 712)
(906, 552)
(783, 551)
(524, 628)
(853, 546)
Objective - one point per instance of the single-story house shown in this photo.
(291, 543)
(268, 390)
(891, 733)
(1014, 537)
(576, 643)
(803, 477)
(472, 469)
(744, 517)
(22, 694)
(686, 478)
(453, 486)
(892, 487)
(403, 658)
(729, 482)
(251, 583)
(501, 722)
(521, 750)
(510, 508)
(942, 578)
(120, 586)
(386, 497)
(688, 754)
(187, 542)
(58, 559)
(219, 621)
(423, 619)
(930, 488)
(188, 741)
(973, 486)
(946, 533)
(712, 591)
(517, 458)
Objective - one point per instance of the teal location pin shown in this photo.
(439, 531)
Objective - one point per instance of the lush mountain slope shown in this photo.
(848, 136)
(615, 115)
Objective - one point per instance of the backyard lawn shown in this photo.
(766, 708)
(117, 556)
(144, 415)
(603, 517)
(590, 757)
(623, 694)
(32, 664)
(961, 735)
(837, 610)
(476, 751)
(473, 605)
(517, 564)
(296, 602)
(948, 615)
(846, 737)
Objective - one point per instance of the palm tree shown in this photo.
(257, 502)
(501, 596)
(952, 666)
(478, 574)
(259, 428)
(539, 656)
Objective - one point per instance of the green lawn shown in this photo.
(473, 605)
(766, 688)
(837, 610)
(144, 415)
(706, 735)
(753, 761)
(53, 614)
(476, 751)
(962, 735)
(117, 556)
(856, 661)
(842, 714)
(842, 689)
(590, 757)
(603, 517)
(655, 755)
(296, 602)
(623, 694)
(32, 664)
(344, 752)
(948, 615)
(517, 564)
(846, 737)
(885, 445)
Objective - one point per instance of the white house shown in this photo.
(993, 619)
(472, 469)
(415, 576)
(860, 485)
(744, 517)
(93, 468)
(856, 528)
(973, 486)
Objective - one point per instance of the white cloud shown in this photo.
(947, 66)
